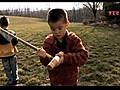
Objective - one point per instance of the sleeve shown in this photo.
(79, 56)
(5, 36)
(14, 41)
(48, 48)
(3, 40)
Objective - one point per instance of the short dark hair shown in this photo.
(4, 21)
(55, 15)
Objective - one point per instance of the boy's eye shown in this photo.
(53, 29)
(60, 28)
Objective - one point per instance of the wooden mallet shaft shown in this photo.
(24, 42)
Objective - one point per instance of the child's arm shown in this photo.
(14, 40)
(3, 40)
(79, 55)
(44, 59)
(5, 37)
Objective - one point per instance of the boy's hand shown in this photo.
(41, 52)
(56, 61)
(61, 55)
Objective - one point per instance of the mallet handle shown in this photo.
(24, 42)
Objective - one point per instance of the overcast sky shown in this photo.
(40, 5)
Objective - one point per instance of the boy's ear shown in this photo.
(67, 24)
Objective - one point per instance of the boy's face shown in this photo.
(58, 29)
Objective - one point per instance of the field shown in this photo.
(103, 44)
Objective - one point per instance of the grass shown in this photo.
(102, 68)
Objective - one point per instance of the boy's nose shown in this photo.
(56, 30)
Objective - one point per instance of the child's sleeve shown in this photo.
(79, 55)
(47, 48)
(3, 40)
(14, 41)
(6, 36)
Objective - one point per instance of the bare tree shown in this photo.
(93, 7)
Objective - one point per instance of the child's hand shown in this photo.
(61, 55)
(56, 61)
(41, 52)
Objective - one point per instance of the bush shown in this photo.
(85, 22)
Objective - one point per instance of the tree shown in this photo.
(93, 7)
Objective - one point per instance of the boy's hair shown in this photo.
(55, 15)
(4, 21)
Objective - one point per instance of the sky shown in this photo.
(40, 5)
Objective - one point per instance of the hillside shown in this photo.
(103, 44)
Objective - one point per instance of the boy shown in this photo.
(8, 52)
(66, 45)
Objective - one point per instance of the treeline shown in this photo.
(75, 15)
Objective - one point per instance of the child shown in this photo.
(65, 44)
(8, 52)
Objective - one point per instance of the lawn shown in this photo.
(103, 44)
